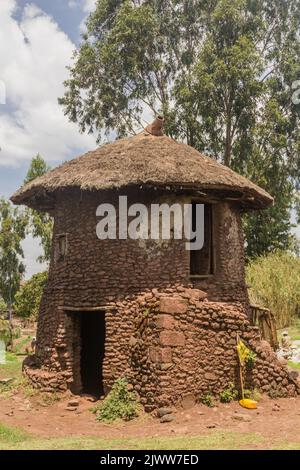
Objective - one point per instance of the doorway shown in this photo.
(92, 332)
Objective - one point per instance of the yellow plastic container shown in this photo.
(249, 404)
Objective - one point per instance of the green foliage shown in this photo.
(12, 232)
(229, 394)
(7, 333)
(221, 72)
(38, 167)
(208, 400)
(17, 439)
(270, 230)
(12, 368)
(40, 224)
(19, 347)
(3, 306)
(27, 300)
(250, 359)
(294, 365)
(293, 331)
(10, 435)
(120, 403)
(274, 282)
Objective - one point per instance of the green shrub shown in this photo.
(27, 300)
(229, 394)
(7, 334)
(3, 306)
(208, 400)
(250, 359)
(120, 403)
(275, 284)
(5, 331)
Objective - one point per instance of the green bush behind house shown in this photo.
(274, 282)
(28, 298)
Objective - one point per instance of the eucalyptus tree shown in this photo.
(221, 72)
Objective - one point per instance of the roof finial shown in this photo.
(156, 128)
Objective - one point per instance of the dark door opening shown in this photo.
(202, 261)
(92, 326)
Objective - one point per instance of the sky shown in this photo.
(37, 40)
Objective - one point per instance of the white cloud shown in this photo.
(34, 54)
(88, 5)
(32, 251)
(72, 3)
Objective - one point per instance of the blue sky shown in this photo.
(37, 40)
(68, 15)
(61, 24)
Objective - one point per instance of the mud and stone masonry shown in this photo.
(149, 310)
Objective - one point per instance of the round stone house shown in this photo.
(150, 310)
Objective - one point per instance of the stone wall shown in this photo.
(97, 272)
(163, 334)
(228, 282)
(188, 347)
(175, 345)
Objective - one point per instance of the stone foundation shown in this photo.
(172, 346)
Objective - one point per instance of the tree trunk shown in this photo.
(10, 315)
(228, 143)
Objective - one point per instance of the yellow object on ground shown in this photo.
(247, 403)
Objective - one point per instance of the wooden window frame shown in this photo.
(60, 258)
(213, 248)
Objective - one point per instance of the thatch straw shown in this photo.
(142, 160)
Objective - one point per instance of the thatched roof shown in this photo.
(143, 160)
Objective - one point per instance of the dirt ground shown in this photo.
(275, 424)
(276, 421)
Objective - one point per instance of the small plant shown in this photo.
(250, 359)
(27, 388)
(120, 403)
(146, 312)
(7, 386)
(276, 392)
(48, 399)
(208, 400)
(252, 394)
(229, 394)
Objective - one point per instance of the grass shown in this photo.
(294, 365)
(20, 345)
(275, 284)
(12, 367)
(294, 333)
(287, 446)
(11, 436)
(17, 439)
